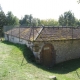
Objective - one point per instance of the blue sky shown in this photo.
(43, 9)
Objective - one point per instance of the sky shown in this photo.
(42, 9)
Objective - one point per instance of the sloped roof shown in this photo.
(51, 33)
(24, 33)
(46, 33)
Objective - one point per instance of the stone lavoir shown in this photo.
(50, 45)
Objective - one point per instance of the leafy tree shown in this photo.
(35, 22)
(44, 22)
(67, 19)
(27, 20)
(39, 22)
(15, 21)
(30, 19)
(2, 22)
(77, 24)
(49, 22)
(11, 19)
(61, 20)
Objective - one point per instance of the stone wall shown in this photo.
(65, 50)
(17, 40)
(37, 49)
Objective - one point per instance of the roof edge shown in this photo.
(38, 33)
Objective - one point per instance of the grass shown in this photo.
(17, 63)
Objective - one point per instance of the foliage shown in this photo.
(39, 22)
(11, 19)
(77, 24)
(8, 19)
(67, 19)
(2, 22)
(28, 20)
(15, 21)
(35, 22)
(49, 22)
(2, 19)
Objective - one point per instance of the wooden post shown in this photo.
(19, 33)
(33, 33)
(72, 34)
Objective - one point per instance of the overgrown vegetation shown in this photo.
(17, 63)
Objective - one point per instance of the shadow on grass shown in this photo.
(60, 68)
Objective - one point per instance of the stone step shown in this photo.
(52, 77)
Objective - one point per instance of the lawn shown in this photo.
(17, 63)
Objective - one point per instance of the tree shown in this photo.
(35, 22)
(49, 22)
(2, 22)
(77, 23)
(11, 19)
(39, 22)
(61, 20)
(2, 19)
(15, 21)
(26, 20)
(30, 19)
(67, 19)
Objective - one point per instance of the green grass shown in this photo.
(17, 63)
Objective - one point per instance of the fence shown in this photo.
(55, 32)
